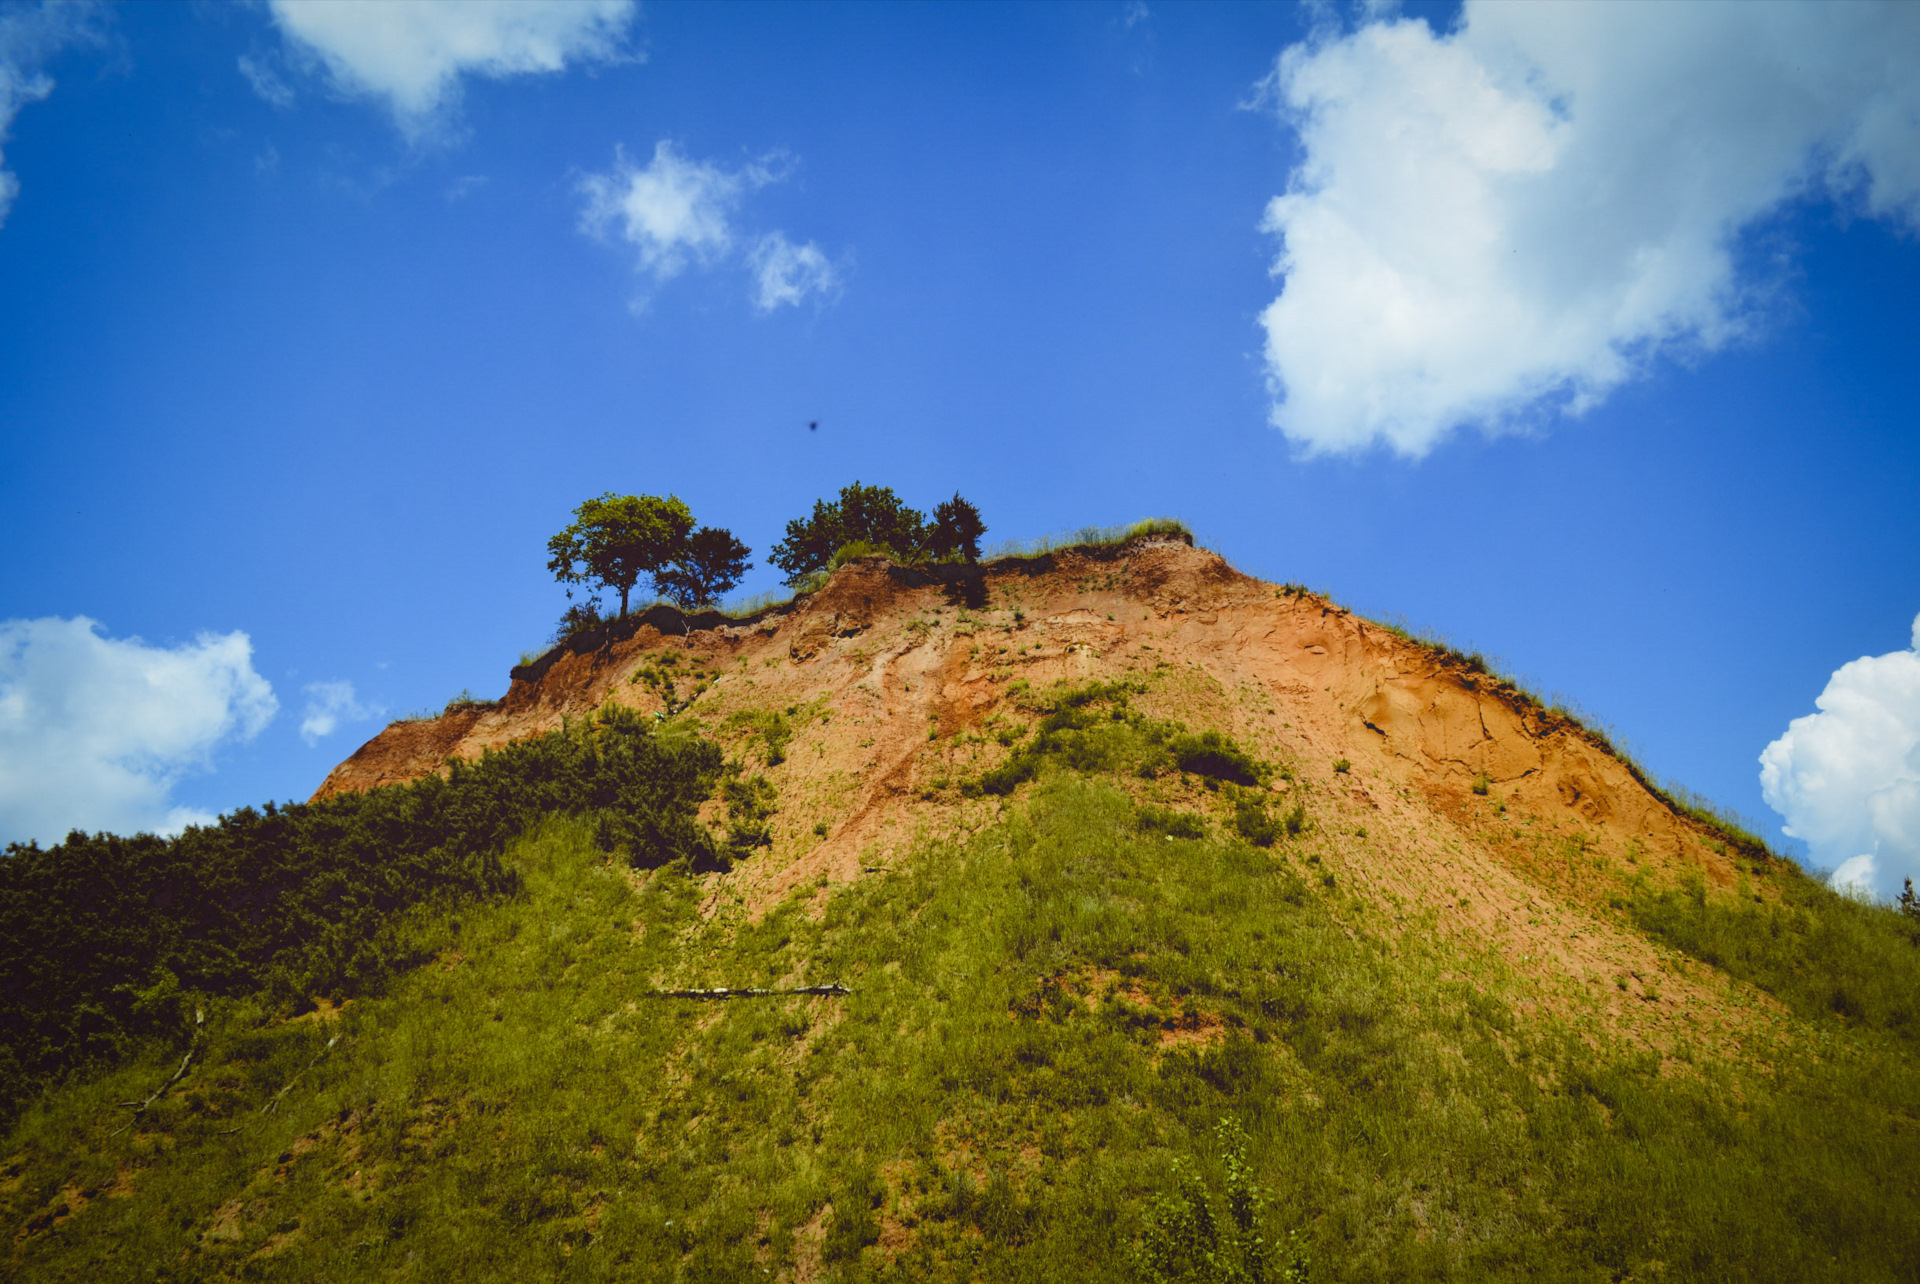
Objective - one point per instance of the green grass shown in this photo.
(1825, 955)
(1048, 1023)
(1088, 537)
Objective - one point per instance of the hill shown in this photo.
(1104, 914)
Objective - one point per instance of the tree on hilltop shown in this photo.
(616, 539)
(711, 564)
(956, 530)
(875, 515)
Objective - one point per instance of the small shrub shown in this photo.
(775, 731)
(466, 700)
(1213, 755)
(578, 618)
(1210, 1233)
(1482, 783)
(1173, 824)
(1005, 778)
(1341, 766)
(1250, 818)
(750, 807)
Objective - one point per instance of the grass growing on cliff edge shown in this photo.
(1089, 537)
(1048, 1023)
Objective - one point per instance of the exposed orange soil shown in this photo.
(894, 676)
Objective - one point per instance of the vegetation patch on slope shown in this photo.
(106, 942)
(1073, 1048)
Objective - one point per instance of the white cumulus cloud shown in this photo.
(328, 705)
(412, 53)
(29, 36)
(96, 731)
(1510, 219)
(1847, 778)
(676, 211)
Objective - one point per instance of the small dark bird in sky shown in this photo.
(813, 425)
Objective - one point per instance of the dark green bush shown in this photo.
(750, 807)
(1005, 778)
(1214, 755)
(106, 942)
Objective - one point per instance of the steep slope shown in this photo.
(889, 676)
(1106, 915)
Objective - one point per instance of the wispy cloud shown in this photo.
(413, 55)
(1847, 778)
(328, 705)
(785, 274)
(30, 35)
(678, 212)
(1508, 221)
(95, 732)
(265, 80)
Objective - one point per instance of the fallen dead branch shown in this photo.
(140, 1107)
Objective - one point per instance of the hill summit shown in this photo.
(1099, 914)
(892, 687)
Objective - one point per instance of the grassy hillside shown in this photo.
(1076, 1046)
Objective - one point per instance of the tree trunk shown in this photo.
(624, 589)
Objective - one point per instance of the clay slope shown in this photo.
(896, 683)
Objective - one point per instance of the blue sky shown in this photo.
(1586, 342)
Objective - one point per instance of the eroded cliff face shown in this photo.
(895, 683)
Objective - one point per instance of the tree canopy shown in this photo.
(875, 515)
(614, 540)
(711, 563)
(956, 530)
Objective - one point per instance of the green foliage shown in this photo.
(997, 1098)
(710, 564)
(1004, 779)
(751, 803)
(663, 676)
(1200, 1233)
(871, 520)
(1214, 755)
(577, 618)
(956, 531)
(872, 515)
(1482, 783)
(854, 550)
(1341, 766)
(103, 938)
(615, 540)
(1092, 537)
(1823, 954)
(1172, 824)
(1079, 736)
(1252, 821)
(465, 699)
(774, 728)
